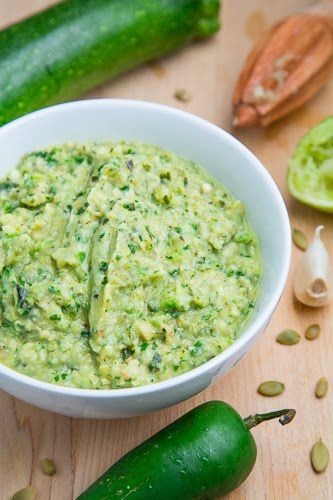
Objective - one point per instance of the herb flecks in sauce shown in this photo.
(121, 264)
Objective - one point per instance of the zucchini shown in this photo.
(70, 48)
(205, 454)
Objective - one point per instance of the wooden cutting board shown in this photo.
(83, 449)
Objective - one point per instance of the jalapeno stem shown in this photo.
(284, 416)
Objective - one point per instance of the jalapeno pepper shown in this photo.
(205, 454)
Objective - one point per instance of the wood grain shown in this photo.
(83, 449)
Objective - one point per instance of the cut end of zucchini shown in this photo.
(209, 22)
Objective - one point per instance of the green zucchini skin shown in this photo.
(205, 454)
(70, 48)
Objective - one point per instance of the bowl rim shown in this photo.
(248, 334)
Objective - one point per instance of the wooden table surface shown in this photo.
(83, 449)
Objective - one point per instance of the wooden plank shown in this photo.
(83, 449)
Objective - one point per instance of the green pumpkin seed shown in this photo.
(319, 456)
(182, 95)
(321, 387)
(48, 466)
(312, 332)
(288, 337)
(28, 493)
(300, 239)
(271, 388)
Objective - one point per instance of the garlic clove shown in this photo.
(313, 278)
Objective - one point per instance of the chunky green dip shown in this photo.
(121, 264)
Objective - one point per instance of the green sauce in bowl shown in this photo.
(122, 264)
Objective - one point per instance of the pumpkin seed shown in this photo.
(28, 493)
(300, 239)
(182, 95)
(321, 387)
(319, 456)
(312, 332)
(271, 388)
(288, 337)
(48, 466)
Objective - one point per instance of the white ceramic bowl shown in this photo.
(223, 157)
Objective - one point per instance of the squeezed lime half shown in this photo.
(310, 170)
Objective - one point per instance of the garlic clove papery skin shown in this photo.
(313, 277)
